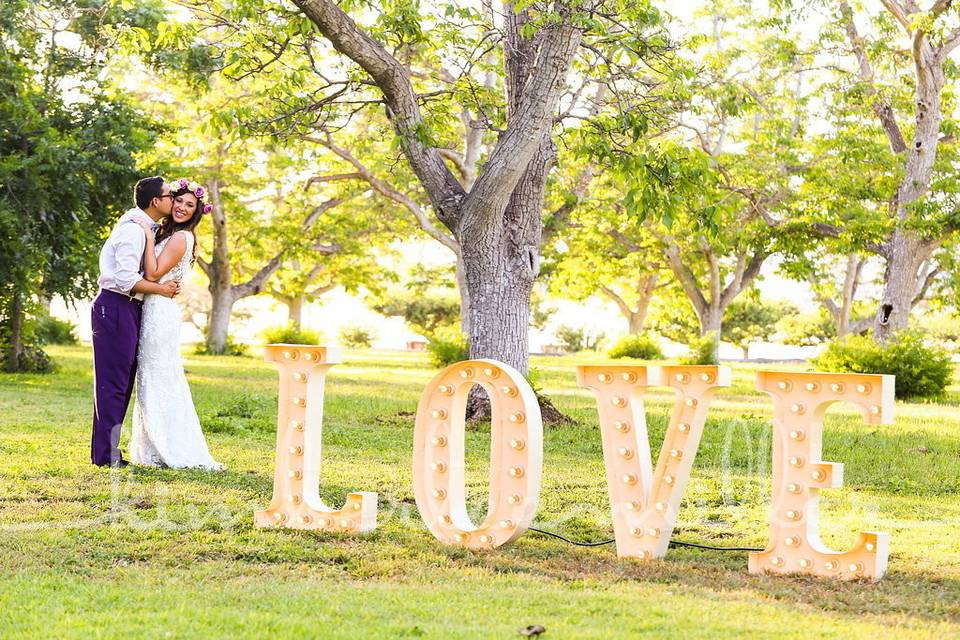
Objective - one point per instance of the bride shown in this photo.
(166, 430)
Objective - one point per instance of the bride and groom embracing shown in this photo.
(136, 331)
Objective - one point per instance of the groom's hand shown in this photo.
(170, 288)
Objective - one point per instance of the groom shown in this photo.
(116, 317)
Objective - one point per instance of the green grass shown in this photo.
(162, 553)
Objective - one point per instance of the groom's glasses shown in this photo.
(166, 195)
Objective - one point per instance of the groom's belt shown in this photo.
(119, 297)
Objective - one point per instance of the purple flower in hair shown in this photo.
(199, 192)
(183, 183)
(207, 208)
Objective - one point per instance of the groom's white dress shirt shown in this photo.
(122, 255)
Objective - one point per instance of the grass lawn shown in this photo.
(86, 552)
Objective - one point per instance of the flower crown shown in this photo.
(193, 187)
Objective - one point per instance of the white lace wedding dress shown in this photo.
(166, 430)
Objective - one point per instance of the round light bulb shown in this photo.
(466, 373)
(653, 532)
(506, 524)
(813, 387)
(439, 494)
(796, 434)
(796, 461)
(837, 387)
(622, 427)
(629, 479)
(439, 467)
(445, 389)
(683, 427)
(490, 372)
(625, 452)
(296, 475)
(509, 391)
(784, 385)
(676, 454)
(681, 377)
(516, 472)
(706, 377)
(515, 499)
(619, 401)
(691, 402)
(796, 407)
(629, 376)
(439, 441)
(793, 487)
(636, 532)
(517, 444)
(296, 451)
(604, 377)
(438, 414)
(668, 479)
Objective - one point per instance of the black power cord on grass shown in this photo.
(673, 543)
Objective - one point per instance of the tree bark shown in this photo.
(295, 310)
(15, 346)
(218, 326)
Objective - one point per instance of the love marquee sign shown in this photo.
(644, 498)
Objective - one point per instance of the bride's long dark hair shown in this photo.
(168, 227)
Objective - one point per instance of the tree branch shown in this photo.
(392, 78)
(881, 106)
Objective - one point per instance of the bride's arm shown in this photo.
(154, 266)
(169, 258)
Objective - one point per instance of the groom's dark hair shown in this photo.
(146, 190)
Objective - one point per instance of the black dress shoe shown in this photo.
(115, 464)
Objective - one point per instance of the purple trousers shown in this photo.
(116, 334)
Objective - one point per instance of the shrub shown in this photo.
(642, 347)
(921, 371)
(50, 330)
(356, 337)
(33, 360)
(447, 346)
(703, 350)
(231, 349)
(289, 334)
(574, 340)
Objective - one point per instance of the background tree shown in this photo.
(68, 146)
(750, 319)
(433, 80)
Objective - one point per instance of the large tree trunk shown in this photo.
(15, 346)
(711, 322)
(465, 305)
(295, 305)
(900, 285)
(218, 326)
